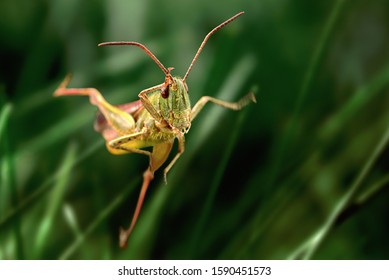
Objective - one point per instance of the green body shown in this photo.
(175, 111)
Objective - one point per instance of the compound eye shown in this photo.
(165, 92)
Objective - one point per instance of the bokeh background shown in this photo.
(301, 174)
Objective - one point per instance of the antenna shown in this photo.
(149, 53)
(206, 39)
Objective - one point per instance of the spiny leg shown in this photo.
(120, 120)
(118, 146)
(124, 234)
(245, 100)
(157, 158)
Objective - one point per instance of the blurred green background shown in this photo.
(301, 174)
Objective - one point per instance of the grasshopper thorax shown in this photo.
(174, 104)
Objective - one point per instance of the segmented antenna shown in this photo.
(153, 57)
(206, 39)
(143, 47)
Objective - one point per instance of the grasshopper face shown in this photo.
(174, 105)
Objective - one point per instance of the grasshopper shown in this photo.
(162, 114)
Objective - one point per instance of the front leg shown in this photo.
(181, 149)
(245, 100)
(147, 104)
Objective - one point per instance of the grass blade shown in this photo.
(55, 199)
(308, 79)
(104, 214)
(309, 248)
(194, 248)
(22, 206)
(8, 178)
